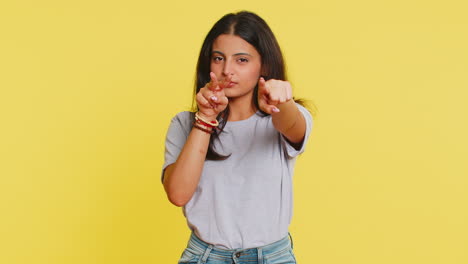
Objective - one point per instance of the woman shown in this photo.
(230, 162)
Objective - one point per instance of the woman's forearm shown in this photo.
(181, 178)
(290, 122)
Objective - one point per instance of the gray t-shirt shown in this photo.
(244, 201)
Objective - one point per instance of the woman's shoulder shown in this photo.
(184, 115)
(183, 119)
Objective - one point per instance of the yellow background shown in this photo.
(87, 90)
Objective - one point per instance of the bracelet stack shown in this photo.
(204, 125)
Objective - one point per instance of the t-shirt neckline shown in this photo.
(243, 121)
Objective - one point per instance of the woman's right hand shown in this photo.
(211, 99)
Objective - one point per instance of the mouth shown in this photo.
(230, 84)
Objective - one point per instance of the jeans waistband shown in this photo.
(277, 247)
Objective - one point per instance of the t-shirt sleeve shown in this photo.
(176, 137)
(289, 149)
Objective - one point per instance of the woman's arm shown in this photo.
(275, 98)
(181, 178)
(290, 122)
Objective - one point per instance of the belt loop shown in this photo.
(260, 255)
(205, 255)
(292, 243)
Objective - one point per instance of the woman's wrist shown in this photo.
(205, 124)
(208, 118)
(205, 129)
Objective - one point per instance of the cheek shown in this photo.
(216, 68)
(253, 75)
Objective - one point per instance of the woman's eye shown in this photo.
(243, 60)
(217, 58)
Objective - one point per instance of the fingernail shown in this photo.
(276, 110)
(214, 98)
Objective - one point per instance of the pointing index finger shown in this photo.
(214, 82)
(262, 86)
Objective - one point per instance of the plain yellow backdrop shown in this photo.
(87, 90)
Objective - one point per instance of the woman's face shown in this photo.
(232, 56)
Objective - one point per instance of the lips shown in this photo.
(229, 85)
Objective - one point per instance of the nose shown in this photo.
(227, 69)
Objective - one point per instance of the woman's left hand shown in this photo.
(271, 93)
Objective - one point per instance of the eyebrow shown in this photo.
(237, 54)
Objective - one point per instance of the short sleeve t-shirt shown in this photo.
(246, 200)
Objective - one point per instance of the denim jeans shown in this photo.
(200, 252)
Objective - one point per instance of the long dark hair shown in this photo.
(253, 29)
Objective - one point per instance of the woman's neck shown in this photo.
(241, 109)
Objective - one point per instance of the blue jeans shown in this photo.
(200, 252)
